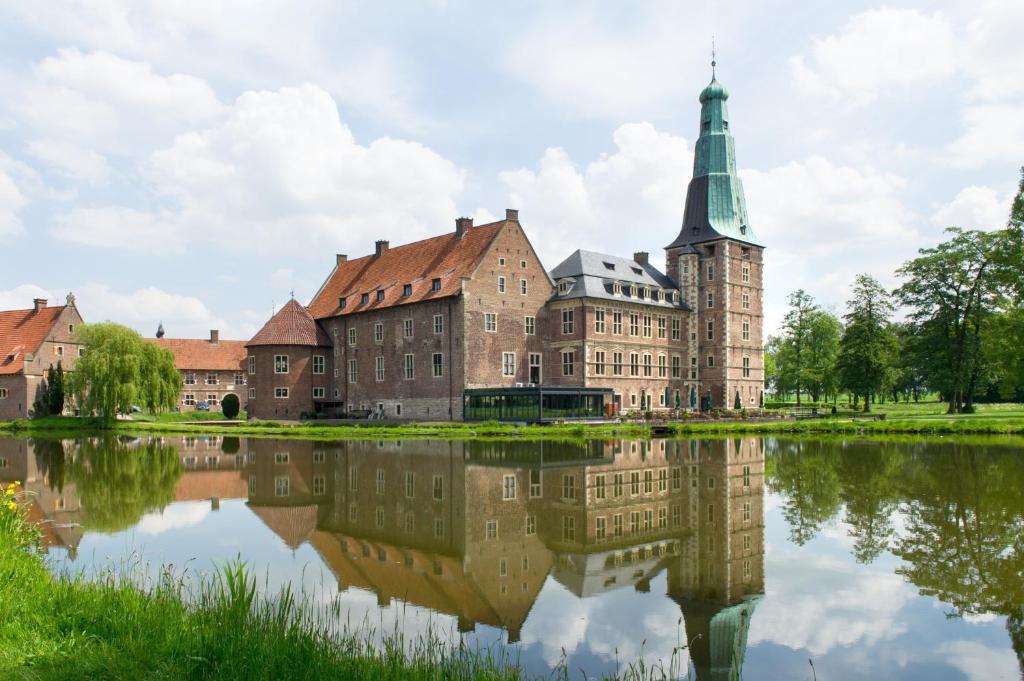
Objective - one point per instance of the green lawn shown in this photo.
(185, 416)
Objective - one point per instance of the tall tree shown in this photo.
(797, 328)
(55, 390)
(120, 370)
(867, 352)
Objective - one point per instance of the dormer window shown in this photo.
(657, 295)
(609, 266)
(647, 292)
(407, 290)
(617, 288)
(636, 270)
(632, 291)
(725, 125)
(365, 298)
(380, 295)
(342, 301)
(435, 284)
(743, 229)
(564, 287)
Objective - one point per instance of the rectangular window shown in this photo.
(746, 476)
(662, 518)
(711, 299)
(617, 525)
(662, 366)
(662, 325)
(663, 480)
(599, 363)
(746, 511)
(491, 529)
(318, 364)
(711, 513)
(501, 284)
(634, 483)
(599, 490)
(438, 528)
(617, 485)
(190, 378)
(438, 487)
(508, 487)
(568, 528)
(711, 271)
(280, 364)
(535, 484)
(746, 367)
(711, 360)
(711, 330)
(617, 363)
(746, 331)
(634, 324)
(523, 286)
(617, 323)
(282, 486)
(379, 373)
(239, 379)
(530, 324)
(438, 323)
(648, 481)
(281, 393)
(319, 393)
(353, 371)
(190, 399)
(677, 371)
(634, 522)
(437, 364)
(598, 321)
(410, 367)
(410, 485)
(634, 364)
(252, 364)
(531, 525)
(407, 328)
(490, 321)
(602, 528)
(676, 329)
(568, 363)
(378, 332)
(647, 364)
(745, 274)
(252, 393)
(211, 379)
(568, 487)
(745, 301)
(319, 485)
(351, 336)
(508, 364)
(647, 326)
(435, 284)
(648, 519)
(568, 325)
(380, 481)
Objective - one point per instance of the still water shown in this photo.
(874, 560)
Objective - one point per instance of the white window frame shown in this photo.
(491, 322)
(501, 284)
(568, 322)
(281, 361)
(378, 332)
(319, 392)
(378, 369)
(523, 287)
(408, 328)
(352, 336)
(530, 325)
(252, 364)
(436, 366)
(252, 393)
(353, 370)
(409, 366)
(319, 364)
(568, 362)
(508, 364)
(280, 393)
(438, 324)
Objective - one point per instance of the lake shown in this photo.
(871, 560)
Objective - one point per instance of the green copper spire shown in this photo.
(715, 205)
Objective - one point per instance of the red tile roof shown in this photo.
(444, 257)
(200, 353)
(292, 325)
(22, 332)
(293, 524)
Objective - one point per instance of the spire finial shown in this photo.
(712, 56)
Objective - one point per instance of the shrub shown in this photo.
(229, 406)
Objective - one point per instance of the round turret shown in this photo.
(714, 90)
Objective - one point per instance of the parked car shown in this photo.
(202, 406)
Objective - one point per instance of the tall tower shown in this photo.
(718, 262)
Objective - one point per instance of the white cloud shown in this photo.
(992, 132)
(994, 58)
(879, 51)
(70, 161)
(104, 103)
(11, 201)
(20, 297)
(978, 662)
(974, 207)
(619, 201)
(175, 516)
(122, 228)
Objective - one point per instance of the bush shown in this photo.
(229, 406)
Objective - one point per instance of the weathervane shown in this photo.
(712, 57)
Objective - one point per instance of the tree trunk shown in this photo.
(867, 402)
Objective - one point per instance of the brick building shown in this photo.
(31, 341)
(470, 325)
(210, 368)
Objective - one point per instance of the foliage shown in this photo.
(803, 358)
(867, 351)
(229, 406)
(120, 370)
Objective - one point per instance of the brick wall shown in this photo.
(260, 401)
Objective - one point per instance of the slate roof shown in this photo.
(292, 325)
(22, 332)
(596, 273)
(445, 257)
(202, 355)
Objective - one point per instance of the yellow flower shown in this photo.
(11, 505)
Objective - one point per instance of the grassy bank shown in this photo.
(59, 628)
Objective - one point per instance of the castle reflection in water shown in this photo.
(467, 528)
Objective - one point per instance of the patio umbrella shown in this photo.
(693, 398)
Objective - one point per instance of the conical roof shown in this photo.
(292, 325)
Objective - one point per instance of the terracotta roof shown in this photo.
(292, 325)
(200, 353)
(445, 257)
(22, 332)
(202, 485)
(293, 524)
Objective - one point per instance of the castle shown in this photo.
(470, 324)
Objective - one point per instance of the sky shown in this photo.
(197, 162)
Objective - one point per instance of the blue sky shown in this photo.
(196, 162)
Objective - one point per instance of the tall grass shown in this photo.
(117, 625)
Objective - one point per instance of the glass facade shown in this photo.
(535, 404)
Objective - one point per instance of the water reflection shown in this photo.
(501, 534)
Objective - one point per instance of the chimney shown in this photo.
(641, 257)
(512, 214)
(214, 336)
(341, 259)
(462, 225)
(38, 304)
(382, 247)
